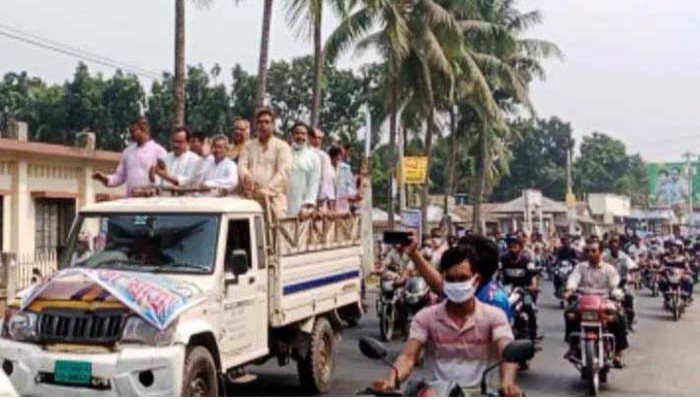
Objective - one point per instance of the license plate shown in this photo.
(72, 372)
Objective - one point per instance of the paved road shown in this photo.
(662, 359)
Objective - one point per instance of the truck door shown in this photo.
(245, 298)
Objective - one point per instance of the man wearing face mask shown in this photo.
(305, 175)
(459, 335)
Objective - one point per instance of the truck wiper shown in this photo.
(184, 266)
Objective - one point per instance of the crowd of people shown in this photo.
(468, 276)
(298, 176)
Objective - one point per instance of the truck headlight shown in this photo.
(137, 330)
(19, 325)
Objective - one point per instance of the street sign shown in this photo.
(411, 219)
(415, 170)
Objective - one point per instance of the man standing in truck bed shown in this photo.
(266, 162)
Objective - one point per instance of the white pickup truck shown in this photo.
(173, 296)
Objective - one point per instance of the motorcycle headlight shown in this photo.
(589, 316)
(19, 325)
(387, 286)
(137, 330)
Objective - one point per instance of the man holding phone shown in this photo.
(180, 167)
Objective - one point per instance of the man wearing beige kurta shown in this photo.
(265, 164)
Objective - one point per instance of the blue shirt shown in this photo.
(493, 294)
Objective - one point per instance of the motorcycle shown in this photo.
(416, 295)
(559, 278)
(522, 302)
(517, 351)
(650, 278)
(675, 298)
(596, 344)
(387, 305)
(695, 267)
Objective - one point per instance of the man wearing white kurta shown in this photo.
(182, 167)
(305, 176)
(219, 171)
(326, 190)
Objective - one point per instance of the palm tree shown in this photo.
(179, 83)
(263, 60)
(381, 25)
(510, 63)
(307, 15)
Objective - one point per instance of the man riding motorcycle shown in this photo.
(566, 251)
(458, 335)
(625, 266)
(675, 258)
(521, 275)
(594, 274)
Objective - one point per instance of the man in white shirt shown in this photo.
(305, 175)
(219, 171)
(326, 192)
(180, 167)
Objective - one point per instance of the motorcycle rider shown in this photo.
(518, 259)
(594, 274)
(566, 251)
(674, 258)
(624, 265)
(459, 334)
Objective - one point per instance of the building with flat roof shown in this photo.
(41, 188)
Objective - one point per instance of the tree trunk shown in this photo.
(179, 115)
(318, 66)
(425, 191)
(452, 170)
(393, 122)
(481, 181)
(261, 89)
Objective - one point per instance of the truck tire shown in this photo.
(200, 378)
(316, 368)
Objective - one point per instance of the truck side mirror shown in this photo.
(238, 262)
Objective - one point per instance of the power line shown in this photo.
(73, 52)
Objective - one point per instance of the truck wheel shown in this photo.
(199, 378)
(316, 368)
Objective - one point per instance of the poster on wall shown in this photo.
(669, 184)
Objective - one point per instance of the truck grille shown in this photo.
(80, 326)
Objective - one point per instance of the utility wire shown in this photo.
(73, 52)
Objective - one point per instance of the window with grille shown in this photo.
(53, 219)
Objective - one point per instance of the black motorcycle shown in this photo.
(560, 276)
(387, 305)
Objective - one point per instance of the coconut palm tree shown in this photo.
(380, 25)
(307, 17)
(264, 55)
(179, 82)
(493, 32)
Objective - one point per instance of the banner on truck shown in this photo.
(156, 299)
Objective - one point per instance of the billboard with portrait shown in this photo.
(669, 184)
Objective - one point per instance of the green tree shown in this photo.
(538, 160)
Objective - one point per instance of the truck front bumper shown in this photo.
(127, 372)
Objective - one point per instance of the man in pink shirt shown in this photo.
(461, 336)
(137, 159)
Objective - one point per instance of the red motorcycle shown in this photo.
(596, 343)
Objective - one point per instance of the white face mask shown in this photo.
(460, 292)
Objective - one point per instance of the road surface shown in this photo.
(662, 359)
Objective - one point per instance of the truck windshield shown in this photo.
(144, 242)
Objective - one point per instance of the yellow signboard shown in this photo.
(570, 200)
(415, 170)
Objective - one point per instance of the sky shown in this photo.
(631, 69)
